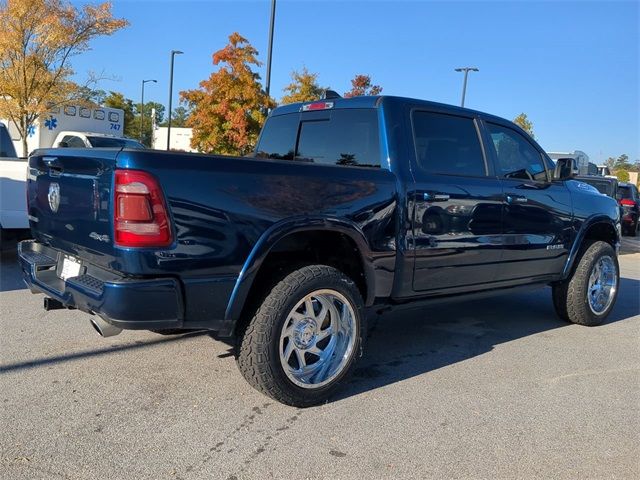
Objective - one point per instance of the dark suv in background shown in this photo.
(630, 202)
(606, 185)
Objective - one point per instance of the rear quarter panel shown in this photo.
(221, 206)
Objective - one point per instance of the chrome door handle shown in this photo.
(516, 199)
(436, 197)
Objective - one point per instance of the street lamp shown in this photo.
(142, 110)
(466, 71)
(173, 54)
(273, 16)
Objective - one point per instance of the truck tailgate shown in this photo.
(69, 201)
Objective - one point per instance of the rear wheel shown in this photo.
(589, 295)
(305, 338)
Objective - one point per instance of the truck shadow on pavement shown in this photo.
(413, 342)
(96, 352)
(408, 343)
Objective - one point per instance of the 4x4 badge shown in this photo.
(54, 197)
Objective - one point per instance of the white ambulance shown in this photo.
(70, 119)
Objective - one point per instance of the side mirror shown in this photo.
(564, 169)
(63, 144)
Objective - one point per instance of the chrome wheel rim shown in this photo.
(317, 339)
(603, 283)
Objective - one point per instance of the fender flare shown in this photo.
(279, 231)
(577, 242)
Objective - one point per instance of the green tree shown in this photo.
(228, 109)
(178, 118)
(524, 123)
(118, 100)
(621, 163)
(148, 108)
(622, 175)
(303, 87)
(94, 97)
(132, 116)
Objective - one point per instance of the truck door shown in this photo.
(537, 211)
(456, 205)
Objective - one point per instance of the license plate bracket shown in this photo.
(70, 268)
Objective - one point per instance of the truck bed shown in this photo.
(221, 209)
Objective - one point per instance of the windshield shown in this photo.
(110, 142)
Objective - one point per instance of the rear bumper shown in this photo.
(139, 304)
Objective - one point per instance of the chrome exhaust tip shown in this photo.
(103, 328)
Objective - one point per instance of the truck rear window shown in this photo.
(625, 192)
(348, 137)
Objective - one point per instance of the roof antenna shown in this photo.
(327, 94)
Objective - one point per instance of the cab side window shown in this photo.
(278, 139)
(517, 157)
(447, 145)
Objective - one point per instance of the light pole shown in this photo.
(142, 110)
(466, 71)
(173, 54)
(273, 17)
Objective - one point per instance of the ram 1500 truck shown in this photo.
(346, 204)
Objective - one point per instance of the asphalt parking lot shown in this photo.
(497, 388)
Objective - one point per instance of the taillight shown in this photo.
(140, 213)
(625, 202)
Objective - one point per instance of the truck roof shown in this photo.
(375, 100)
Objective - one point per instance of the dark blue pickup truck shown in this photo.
(346, 204)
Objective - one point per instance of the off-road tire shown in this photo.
(570, 297)
(257, 352)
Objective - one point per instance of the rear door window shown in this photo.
(447, 145)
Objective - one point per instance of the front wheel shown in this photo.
(304, 339)
(590, 294)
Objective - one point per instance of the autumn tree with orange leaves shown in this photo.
(228, 110)
(38, 38)
(361, 85)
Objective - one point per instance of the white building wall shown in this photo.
(180, 139)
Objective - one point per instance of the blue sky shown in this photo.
(573, 67)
